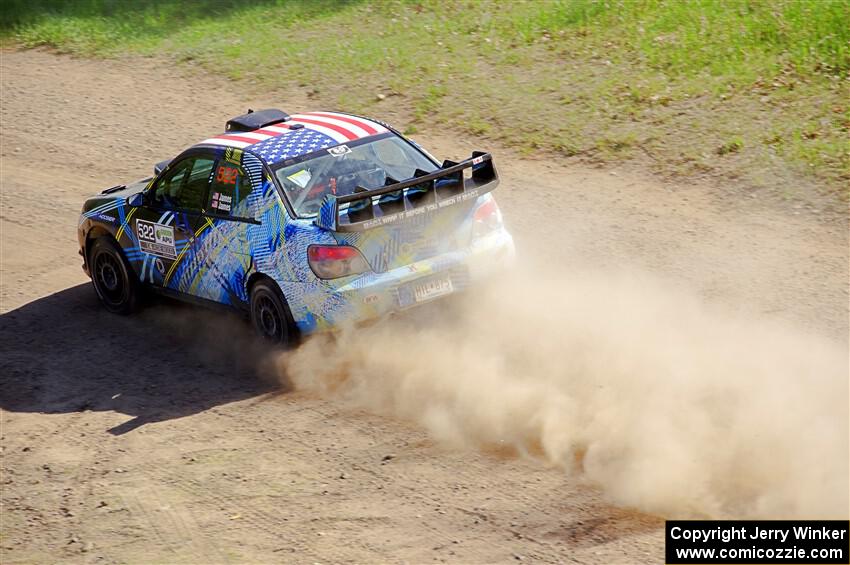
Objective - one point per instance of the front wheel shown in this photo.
(270, 315)
(113, 280)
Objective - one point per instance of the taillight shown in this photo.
(334, 261)
(487, 218)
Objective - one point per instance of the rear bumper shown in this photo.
(381, 294)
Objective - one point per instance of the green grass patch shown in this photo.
(758, 79)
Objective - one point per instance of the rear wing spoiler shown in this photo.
(397, 201)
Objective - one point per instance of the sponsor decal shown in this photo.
(477, 160)
(156, 239)
(339, 150)
(221, 202)
(384, 220)
(105, 218)
(160, 266)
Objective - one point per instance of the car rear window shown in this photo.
(339, 170)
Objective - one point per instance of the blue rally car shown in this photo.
(306, 222)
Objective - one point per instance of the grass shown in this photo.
(754, 88)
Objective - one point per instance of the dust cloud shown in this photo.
(667, 404)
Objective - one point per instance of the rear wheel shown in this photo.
(270, 315)
(113, 279)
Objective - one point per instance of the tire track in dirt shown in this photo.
(240, 511)
(174, 528)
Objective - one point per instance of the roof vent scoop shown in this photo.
(256, 120)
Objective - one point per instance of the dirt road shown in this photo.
(148, 439)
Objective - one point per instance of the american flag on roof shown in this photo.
(302, 134)
(298, 142)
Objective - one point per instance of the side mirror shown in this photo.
(136, 200)
(159, 167)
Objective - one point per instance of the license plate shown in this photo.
(432, 288)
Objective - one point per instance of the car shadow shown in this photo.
(63, 353)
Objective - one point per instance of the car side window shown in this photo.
(185, 185)
(169, 187)
(230, 189)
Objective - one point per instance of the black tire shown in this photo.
(270, 315)
(112, 277)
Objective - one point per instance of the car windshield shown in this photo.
(339, 170)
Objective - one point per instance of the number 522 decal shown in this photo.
(156, 239)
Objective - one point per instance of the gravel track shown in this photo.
(147, 439)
